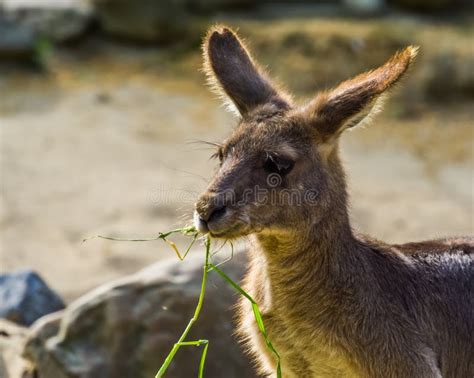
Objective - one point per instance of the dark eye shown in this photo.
(278, 164)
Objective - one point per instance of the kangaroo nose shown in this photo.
(213, 213)
(207, 213)
(210, 207)
(217, 213)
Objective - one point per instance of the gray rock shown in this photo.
(145, 20)
(56, 21)
(168, 21)
(25, 297)
(16, 41)
(126, 328)
(12, 340)
(364, 7)
(40, 332)
(450, 76)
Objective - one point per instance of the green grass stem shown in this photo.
(207, 268)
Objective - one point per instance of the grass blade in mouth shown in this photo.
(207, 268)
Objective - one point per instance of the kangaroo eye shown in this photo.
(276, 164)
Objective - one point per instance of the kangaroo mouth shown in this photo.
(220, 229)
(233, 231)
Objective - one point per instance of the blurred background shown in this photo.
(103, 105)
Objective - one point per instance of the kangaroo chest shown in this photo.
(303, 350)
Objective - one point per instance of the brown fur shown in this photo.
(335, 304)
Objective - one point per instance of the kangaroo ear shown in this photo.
(231, 71)
(355, 100)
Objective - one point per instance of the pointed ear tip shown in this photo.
(405, 57)
(218, 31)
(408, 54)
(412, 51)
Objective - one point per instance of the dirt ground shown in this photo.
(111, 149)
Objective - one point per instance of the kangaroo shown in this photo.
(334, 303)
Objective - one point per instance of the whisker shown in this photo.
(204, 142)
(187, 172)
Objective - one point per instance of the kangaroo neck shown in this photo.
(303, 259)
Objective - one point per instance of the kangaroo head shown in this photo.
(279, 169)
